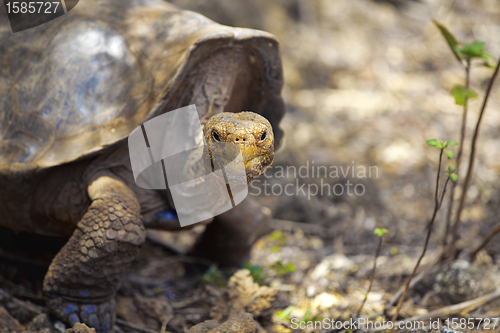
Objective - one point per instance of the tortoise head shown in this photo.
(251, 132)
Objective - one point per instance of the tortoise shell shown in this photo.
(84, 81)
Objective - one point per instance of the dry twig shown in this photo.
(372, 275)
(457, 308)
(437, 205)
(485, 242)
(129, 325)
(459, 154)
(472, 157)
(463, 307)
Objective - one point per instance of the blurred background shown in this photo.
(366, 84)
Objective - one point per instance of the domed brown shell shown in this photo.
(85, 80)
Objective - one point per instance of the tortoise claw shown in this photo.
(100, 316)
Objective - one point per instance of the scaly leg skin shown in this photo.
(84, 276)
(228, 240)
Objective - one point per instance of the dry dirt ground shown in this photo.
(366, 84)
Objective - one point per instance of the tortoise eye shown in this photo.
(263, 137)
(215, 136)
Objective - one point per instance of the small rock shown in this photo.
(324, 301)
(80, 328)
(40, 323)
(247, 296)
(311, 291)
(333, 262)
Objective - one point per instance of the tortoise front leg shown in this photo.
(228, 240)
(84, 276)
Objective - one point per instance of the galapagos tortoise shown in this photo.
(73, 89)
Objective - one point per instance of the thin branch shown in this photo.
(457, 308)
(436, 195)
(459, 155)
(130, 326)
(485, 242)
(372, 275)
(444, 191)
(449, 310)
(472, 156)
(429, 232)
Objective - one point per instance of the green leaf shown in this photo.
(451, 143)
(275, 249)
(450, 39)
(380, 231)
(475, 50)
(458, 95)
(213, 275)
(489, 60)
(448, 153)
(461, 94)
(432, 142)
(276, 235)
(470, 93)
(307, 314)
(453, 177)
(256, 272)
(440, 144)
(284, 269)
(285, 313)
(450, 170)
